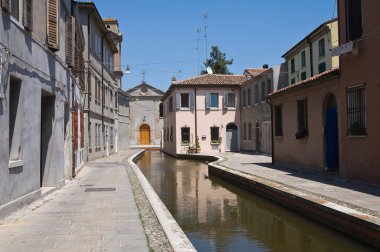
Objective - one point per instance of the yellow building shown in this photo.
(312, 55)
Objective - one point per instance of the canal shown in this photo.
(219, 216)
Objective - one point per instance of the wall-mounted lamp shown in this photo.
(127, 70)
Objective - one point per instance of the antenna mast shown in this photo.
(198, 29)
(205, 17)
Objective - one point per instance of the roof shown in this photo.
(144, 84)
(254, 71)
(213, 79)
(305, 83)
(309, 35)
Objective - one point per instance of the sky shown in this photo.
(160, 38)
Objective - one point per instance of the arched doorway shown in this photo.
(232, 137)
(331, 133)
(144, 134)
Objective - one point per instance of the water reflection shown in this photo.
(218, 216)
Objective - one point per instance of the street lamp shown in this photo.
(127, 70)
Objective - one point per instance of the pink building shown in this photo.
(206, 108)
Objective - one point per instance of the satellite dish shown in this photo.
(209, 70)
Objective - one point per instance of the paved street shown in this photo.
(328, 185)
(76, 219)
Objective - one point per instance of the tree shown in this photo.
(217, 62)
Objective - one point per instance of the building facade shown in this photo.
(312, 55)
(101, 93)
(305, 123)
(359, 89)
(40, 83)
(201, 114)
(255, 111)
(145, 115)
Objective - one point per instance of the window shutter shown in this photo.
(6, 5)
(178, 100)
(28, 14)
(191, 98)
(208, 98)
(52, 24)
(70, 41)
(225, 100)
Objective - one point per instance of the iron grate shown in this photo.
(105, 189)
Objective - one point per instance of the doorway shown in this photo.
(47, 175)
(144, 134)
(232, 137)
(331, 134)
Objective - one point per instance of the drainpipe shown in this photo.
(271, 126)
(89, 69)
(311, 57)
(195, 116)
(105, 140)
(72, 130)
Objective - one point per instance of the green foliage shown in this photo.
(217, 62)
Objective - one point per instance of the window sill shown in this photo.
(15, 163)
(213, 109)
(215, 143)
(230, 108)
(184, 144)
(184, 108)
(357, 136)
(279, 137)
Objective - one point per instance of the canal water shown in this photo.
(219, 216)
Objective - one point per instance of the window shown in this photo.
(354, 29)
(244, 98)
(245, 131)
(303, 76)
(248, 97)
(185, 135)
(15, 120)
(171, 104)
(321, 47)
(214, 134)
(293, 80)
(302, 119)
(278, 120)
(171, 134)
(292, 65)
(97, 46)
(185, 101)
(229, 100)
(303, 58)
(161, 107)
(15, 9)
(263, 91)
(111, 136)
(167, 135)
(249, 131)
(269, 87)
(356, 110)
(256, 93)
(322, 67)
(89, 135)
(212, 100)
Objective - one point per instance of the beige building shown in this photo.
(145, 115)
(312, 55)
(359, 22)
(101, 85)
(255, 111)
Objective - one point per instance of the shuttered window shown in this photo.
(28, 14)
(70, 41)
(354, 19)
(6, 5)
(53, 24)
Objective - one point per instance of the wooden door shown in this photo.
(144, 134)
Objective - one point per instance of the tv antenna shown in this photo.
(198, 30)
(205, 17)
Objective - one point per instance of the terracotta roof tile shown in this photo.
(214, 79)
(255, 71)
(305, 82)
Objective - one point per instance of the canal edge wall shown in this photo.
(359, 225)
(177, 238)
